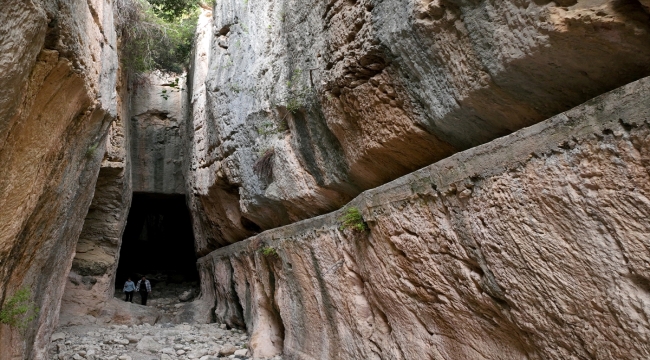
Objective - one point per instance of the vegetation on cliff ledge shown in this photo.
(156, 34)
(269, 251)
(353, 219)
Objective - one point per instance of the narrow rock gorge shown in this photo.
(369, 179)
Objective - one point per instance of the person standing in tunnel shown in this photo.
(144, 288)
(129, 287)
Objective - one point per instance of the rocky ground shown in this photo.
(167, 298)
(146, 342)
(161, 341)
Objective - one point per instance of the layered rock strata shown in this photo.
(307, 104)
(532, 246)
(58, 67)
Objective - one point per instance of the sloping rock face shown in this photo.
(58, 68)
(91, 281)
(533, 246)
(308, 104)
(158, 108)
(150, 139)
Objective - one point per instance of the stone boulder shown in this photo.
(126, 313)
(147, 343)
(186, 295)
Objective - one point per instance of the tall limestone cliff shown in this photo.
(91, 280)
(300, 106)
(58, 68)
(529, 246)
(532, 246)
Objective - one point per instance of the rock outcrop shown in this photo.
(58, 68)
(158, 108)
(147, 131)
(532, 246)
(529, 246)
(91, 281)
(306, 105)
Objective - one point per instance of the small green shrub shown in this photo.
(353, 219)
(269, 127)
(293, 105)
(19, 310)
(269, 251)
(298, 96)
(156, 34)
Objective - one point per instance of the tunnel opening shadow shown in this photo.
(158, 241)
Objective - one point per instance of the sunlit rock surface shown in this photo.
(158, 116)
(91, 281)
(532, 246)
(341, 96)
(58, 70)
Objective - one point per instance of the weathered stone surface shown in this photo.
(186, 296)
(158, 115)
(532, 246)
(91, 280)
(148, 343)
(341, 96)
(58, 69)
(120, 312)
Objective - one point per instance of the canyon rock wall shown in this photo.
(306, 104)
(58, 67)
(147, 134)
(91, 281)
(158, 108)
(532, 246)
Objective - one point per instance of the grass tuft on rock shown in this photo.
(269, 251)
(19, 310)
(352, 219)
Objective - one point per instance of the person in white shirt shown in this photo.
(144, 288)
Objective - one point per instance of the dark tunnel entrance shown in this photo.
(158, 241)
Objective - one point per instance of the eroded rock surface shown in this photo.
(299, 107)
(91, 280)
(156, 126)
(532, 246)
(58, 70)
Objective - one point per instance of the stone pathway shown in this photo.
(162, 341)
(146, 342)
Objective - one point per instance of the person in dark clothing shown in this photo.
(144, 288)
(129, 288)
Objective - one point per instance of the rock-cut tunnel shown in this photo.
(158, 240)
